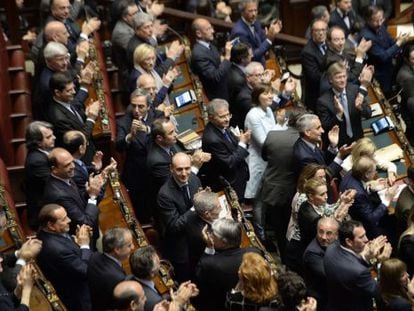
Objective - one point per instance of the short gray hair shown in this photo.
(242, 4)
(328, 221)
(114, 238)
(215, 105)
(228, 231)
(53, 49)
(34, 135)
(250, 68)
(140, 19)
(138, 92)
(304, 123)
(205, 201)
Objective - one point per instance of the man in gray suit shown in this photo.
(279, 178)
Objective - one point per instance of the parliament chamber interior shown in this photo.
(206, 155)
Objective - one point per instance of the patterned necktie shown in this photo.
(344, 103)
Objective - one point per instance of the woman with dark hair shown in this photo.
(317, 206)
(406, 245)
(256, 288)
(260, 120)
(397, 291)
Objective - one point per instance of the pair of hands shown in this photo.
(379, 249)
(179, 298)
(333, 137)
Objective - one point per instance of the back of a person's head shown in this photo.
(292, 289)
(391, 272)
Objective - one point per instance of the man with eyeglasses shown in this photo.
(313, 62)
(228, 152)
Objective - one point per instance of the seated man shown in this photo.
(64, 261)
(349, 281)
(61, 189)
(206, 60)
(307, 147)
(344, 105)
(39, 142)
(216, 272)
(145, 265)
(105, 269)
(327, 234)
(174, 201)
(249, 30)
(368, 207)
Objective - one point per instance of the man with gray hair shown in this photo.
(307, 148)
(216, 273)
(105, 269)
(39, 142)
(327, 234)
(228, 152)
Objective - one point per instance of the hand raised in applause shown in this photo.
(273, 30)
(366, 76)
(174, 50)
(199, 158)
(94, 185)
(207, 237)
(82, 49)
(97, 160)
(30, 249)
(83, 235)
(309, 305)
(359, 100)
(245, 136)
(86, 74)
(345, 150)
(339, 109)
(333, 136)
(170, 76)
(155, 8)
(92, 111)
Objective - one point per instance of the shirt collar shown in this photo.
(247, 23)
(204, 43)
(148, 283)
(113, 259)
(311, 145)
(67, 181)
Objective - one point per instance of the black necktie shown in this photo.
(186, 193)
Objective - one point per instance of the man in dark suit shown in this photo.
(279, 180)
(368, 207)
(227, 152)
(67, 111)
(206, 62)
(313, 62)
(327, 233)
(344, 105)
(216, 273)
(174, 201)
(65, 261)
(307, 148)
(61, 189)
(249, 30)
(343, 16)
(241, 55)
(105, 269)
(349, 281)
(134, 137)
(145, 265)
(384, 48)
(39, 142)
(359, 6)
(405, 203)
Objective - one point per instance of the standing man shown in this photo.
(39, 142)
(65, 261)
(315, 277)
(105, 269)
(206, 62)
(343, 16)
(175, 199)
(349, 281)
(249, 30)
(313, 62)
(405, 203)
(228, 153)
(344, 105)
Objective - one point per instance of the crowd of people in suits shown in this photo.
(307, 172)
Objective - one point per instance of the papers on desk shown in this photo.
(376, 110)
(390, 153)
(406, 28)
(400, 187)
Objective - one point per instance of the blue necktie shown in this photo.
(227, 136)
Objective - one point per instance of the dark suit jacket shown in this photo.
(10, 271)
(315, 273)
(103, 275)
(153, 297)
(366, 208)
(240, 106)
(216, 275)
(206, 63)
(304, 155)
(173, 212)
(78, 209)
(279, 178)
(236, 80)
(325, 109)
(313, 63)
(65, 266)
(337, 20)
(406, 252)
(307, 220)
(8, 302)
(350, 285)
(37, 171)
(381, 55)
(258, 41)
(405, 80)
(359, 6)
(227, 160)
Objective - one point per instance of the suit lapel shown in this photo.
(69, 114)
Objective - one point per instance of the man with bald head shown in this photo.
(327, 234)
(129, 296)
(175, 200)
(61, 189)
(206, 62)
(146, 82)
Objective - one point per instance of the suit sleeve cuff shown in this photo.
(92, 201)
(243, 145)
(209, 251)
(21, 262)
(338, 160)
(86, 246)
(92, 120)
(194, 170)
